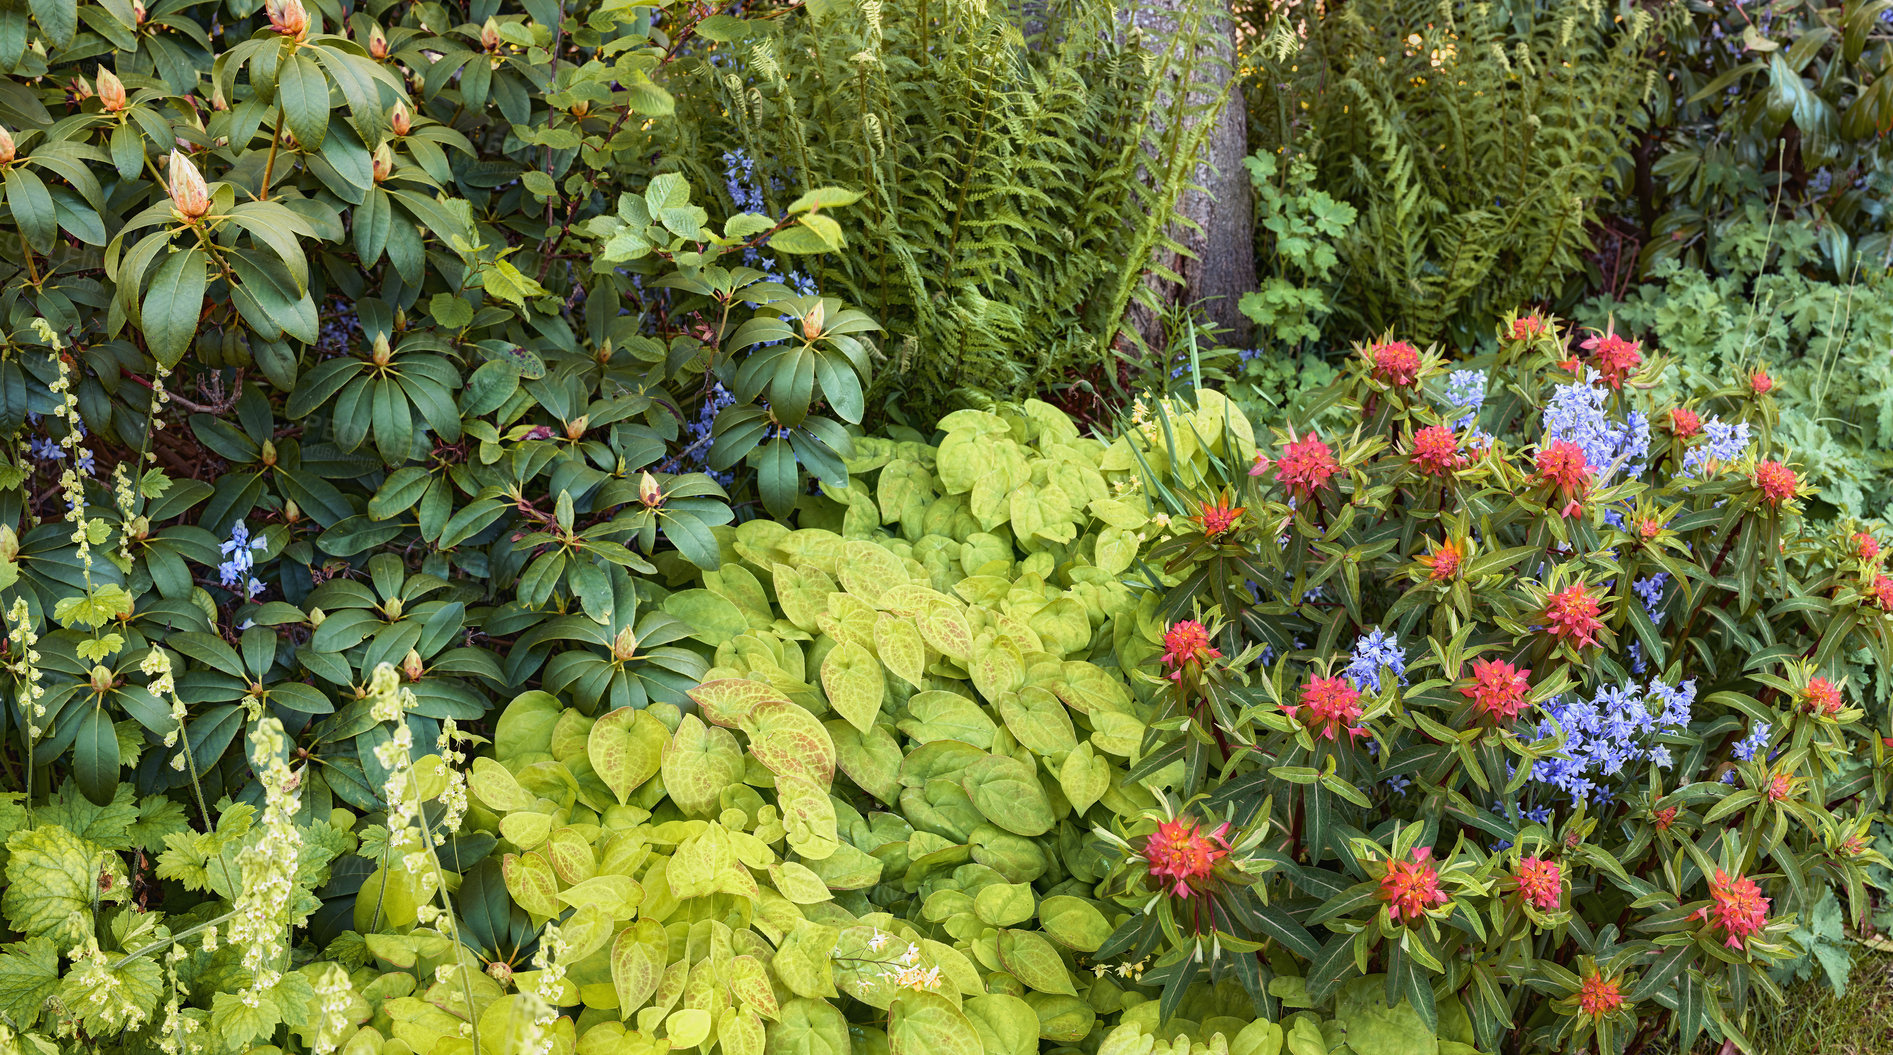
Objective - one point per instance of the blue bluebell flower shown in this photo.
(1465, 391)
(239, 559)
(1372, 651)
(1610, 733)
(1756, 739)
(1576, 415)
(1722, 441)
(1650, 589)
(1399, 784)
(47, 450)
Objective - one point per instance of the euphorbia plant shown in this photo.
(1541, 711)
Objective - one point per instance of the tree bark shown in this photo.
(1220, 265)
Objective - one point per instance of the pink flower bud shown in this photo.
(111, 91)
(377, 43)
(6, 145)
(138, 12)
(399, 119)
(384, 162)
(812, 322)
(490, 35)
(289, 17)
(189, 195)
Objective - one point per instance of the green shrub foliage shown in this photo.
(1475, 141)
(1017, 178)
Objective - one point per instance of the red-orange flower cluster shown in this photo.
(1685, 422)
(1614, 357)
(1821, 697)
(1305, 466)
(1443, 563)
(1396, 362)
(1665, 817)
(1526, 327)
(1780, 786)
(1776, 481)
(1186, 643)
(1760, 382)
(1866, 546)
(1436, 451)
(1883, 592)
(1497, 690)
(1599, 996)
(1182, 855)
(1571, 614)
(1563, 466)
(1411, 887)
(1737, 908)
(1328, 704)
(1540, 882)
(1219, 517)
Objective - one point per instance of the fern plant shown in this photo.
(1018, 173)
(1475, 140)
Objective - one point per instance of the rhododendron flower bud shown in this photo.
(1410, 887)
(137, 12)
(1182, 855)
(189, 196)
(812, 322)
(289, 17)
(648, 491)
(81, 91)
(625, 645)
(6, 145)
(490, 35)
(384, 162)
(412, 666)
(377, 43)
(399, 119)
(111, 91)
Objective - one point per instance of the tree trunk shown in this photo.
(1220, 265)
